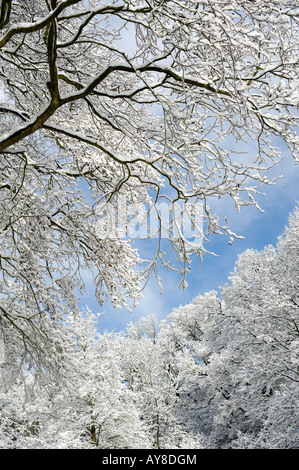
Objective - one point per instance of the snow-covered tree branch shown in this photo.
(221, 372)
(148, 100)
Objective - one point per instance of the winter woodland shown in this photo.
(144, 102)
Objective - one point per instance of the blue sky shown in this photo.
(258, 228)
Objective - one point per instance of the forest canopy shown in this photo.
(109, 110)
(221, 372)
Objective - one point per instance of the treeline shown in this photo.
(221, 372)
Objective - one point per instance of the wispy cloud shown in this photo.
(258, 228)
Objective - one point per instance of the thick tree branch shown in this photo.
(29, 128)
(57, 102)
(37, 25)
(5, 10)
